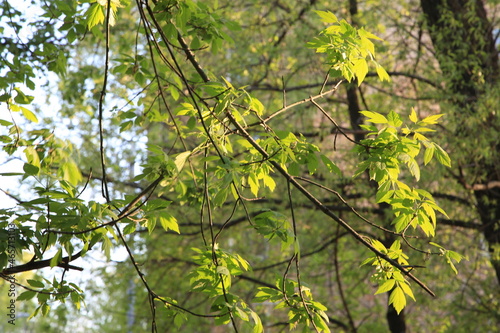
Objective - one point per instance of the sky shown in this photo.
(14, 163)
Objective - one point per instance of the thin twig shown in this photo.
(104, 186)
(333, 121)
(310, 99)
(297, 258)
(349, 206)
(338, 278)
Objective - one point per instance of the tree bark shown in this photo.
(397, 322)
(352, 90)
(465, 48)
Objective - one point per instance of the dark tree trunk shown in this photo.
(354, 115)
(466, 51)
(352, 90)
(397, 322)
(464, 45)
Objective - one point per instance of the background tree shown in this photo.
(154, 76)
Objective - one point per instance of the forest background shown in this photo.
(248, 166)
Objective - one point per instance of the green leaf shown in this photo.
(106, 247)
(220, 197)
(360, 68)
(32, 156)
(449, 255)
(327, 17)
(223, 270)
(56, 259)
(420, 137)
(379, 246)
(397, 299)
(94, 15)
(382, 74)
(431, 120)
(174, 92)
(45, 309)
(361, 168)
(312, 163)
(5, 123)
(436, 245)
(430, 213)
(179, 319)
(452, 266)
(394, 119)
(269, 182)
(401, 222)
(30, 169)
(367, 261)
(254, 184)
(330, 165)
(22, 98)
(386, 286)
(363, 33)
(442, 156)
(180, 160)
(407, 290)
(129, 228)
(70, 172)
(383, 196)
(5, 97)
(258, 327)
(414, 168)
(413, 116)
(320, 323)
(455, 256)
(396, 245)
(374, 117)
(424, 223)
(35, 283)
(428, 154)
(257, 106)
(27, 295)
(28, 114)
(168, 222)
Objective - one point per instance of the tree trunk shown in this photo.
(352, 91)
(465, 48)
(397, 323)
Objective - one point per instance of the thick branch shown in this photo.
(34, 265)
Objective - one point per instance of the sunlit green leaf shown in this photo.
(94, 15)
(382, 74)
(428, 154)
(327, 17)
(180, 160)
(432, 119)
(56, 259)
(168, 222)
(442, 156)
(413, 116)
(385, 287)
(397, 299)
(374, 117)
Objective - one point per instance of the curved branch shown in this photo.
(34, 265)
(319, 205)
